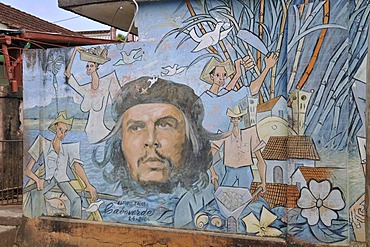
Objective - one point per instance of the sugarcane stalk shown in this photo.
(260, 32)
(360, 29)
(328, 107)
(317, 48)
(324, 81)
(353, 117)
(337, 112)
(279, 44)
(299, 47)
(337, 88)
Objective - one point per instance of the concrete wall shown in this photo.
(139, 143)
(46, 231)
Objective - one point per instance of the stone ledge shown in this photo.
(50, 231)
(11, 215)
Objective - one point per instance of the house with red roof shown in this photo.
(276, 107)
(302, 175)
(284, 154)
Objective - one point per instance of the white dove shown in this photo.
(130, 58)
(152, 81)
(210, 38)
(172, 70)
(93, 207)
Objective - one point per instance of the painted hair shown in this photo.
(197, 157)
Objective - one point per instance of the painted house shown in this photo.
(285, 154)
(302, 175)
(272, 108)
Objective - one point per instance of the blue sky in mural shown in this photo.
(49, 10)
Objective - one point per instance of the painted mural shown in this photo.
(244, 117)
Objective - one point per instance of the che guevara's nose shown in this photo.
(151, 140)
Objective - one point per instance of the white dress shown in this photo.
(95, 102)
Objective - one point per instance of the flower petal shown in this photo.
(319, 190)
(267, 217)
(273, 232)
(252, 223)
(334, 200)
(311, 214)
(306, 200)
(327, 215)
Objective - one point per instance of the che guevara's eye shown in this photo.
(136, 127)
(167, 123)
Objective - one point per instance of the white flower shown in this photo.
(261, 227)
(320, 202)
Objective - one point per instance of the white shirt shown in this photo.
(238, 150)
(55, 164)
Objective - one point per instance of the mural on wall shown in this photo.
(234, 116)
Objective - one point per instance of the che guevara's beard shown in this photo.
(159, 187)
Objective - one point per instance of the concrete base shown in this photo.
(11, 215)
(49, 231)
(7, 235)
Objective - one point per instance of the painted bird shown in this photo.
(130, 58)
(152, 80)
(172, 70)
(210, 38)
(93, 207)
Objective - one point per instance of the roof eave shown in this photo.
(54, 38)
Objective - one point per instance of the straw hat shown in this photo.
(213, 63)
(94, 54)
(236, 112)
(62, 118)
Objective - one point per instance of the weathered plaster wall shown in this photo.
(46, 231)
(151, 160)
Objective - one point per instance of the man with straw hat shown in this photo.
(221, 96)
(57, 156)
(238, 149)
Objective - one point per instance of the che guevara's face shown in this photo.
(153, 140)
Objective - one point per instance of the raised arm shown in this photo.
(67, 73)
(247, 63)
(270, 61)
